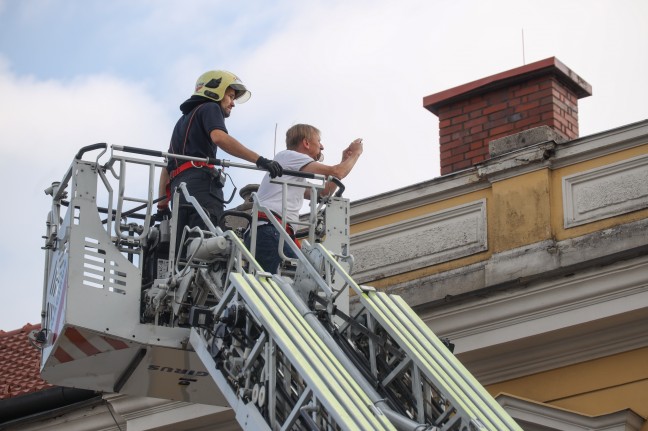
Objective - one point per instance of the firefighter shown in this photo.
(200, 132)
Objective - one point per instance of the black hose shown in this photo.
(90, 148)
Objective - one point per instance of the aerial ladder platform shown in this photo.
(133, 305)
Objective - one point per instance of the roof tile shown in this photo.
(19, 364)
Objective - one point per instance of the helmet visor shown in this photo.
(242, 94)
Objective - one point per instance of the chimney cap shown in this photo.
(550, 65)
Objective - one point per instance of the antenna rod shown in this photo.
(523, 58)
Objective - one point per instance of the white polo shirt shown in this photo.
(269, 194)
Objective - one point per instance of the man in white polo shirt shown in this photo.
(303, 153)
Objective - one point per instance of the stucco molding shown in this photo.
(600, 144)
(533, 416)
(561, 348)
(417, 195)
(609, 290)
(547, 324)
(605, 192)
(517, 162)
(422, 241)
(523, 265)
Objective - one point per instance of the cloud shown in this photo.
(42, 126)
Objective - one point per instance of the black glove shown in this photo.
(271, 166)
(162, 214)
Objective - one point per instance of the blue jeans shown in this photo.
(267, 248)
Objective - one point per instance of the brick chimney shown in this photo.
(544, 93)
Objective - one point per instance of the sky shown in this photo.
(74, 73)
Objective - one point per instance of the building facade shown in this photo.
(530, 253)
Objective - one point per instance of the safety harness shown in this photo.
(186, 165)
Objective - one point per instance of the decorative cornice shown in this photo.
(534, 416)
(541, 326)
(600, 144)
(416, 195)
(544, 155)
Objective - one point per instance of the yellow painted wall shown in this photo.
(518, 214)
(520, 211)
(595, 387)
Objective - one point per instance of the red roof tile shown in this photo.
(19, 364)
